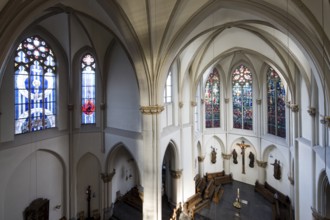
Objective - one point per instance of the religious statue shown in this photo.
(88, 193)
(234, 153)
(251, 156)
(277, 169)
(213, 155)
(243, 146)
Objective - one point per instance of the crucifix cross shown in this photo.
(243, 146)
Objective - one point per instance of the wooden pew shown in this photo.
(208, 194)
(191, 202)
(281, 204)
(219, 177)
(201, 185)
(218, 192)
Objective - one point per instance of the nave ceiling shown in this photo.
(197, 34)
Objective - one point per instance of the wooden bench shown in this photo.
(201, 185)
(281, 204)
(210, 176)
(219, 177)
(191, 202)
(218, 192)
(223, 179)
(208, 193)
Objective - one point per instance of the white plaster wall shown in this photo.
(209, 167)
(123, 101)
(276, 152)
(306, 118)
(126, 176)
(187, 157)
(251, 173)
(88, 173)
(305, 181)
(31, 171)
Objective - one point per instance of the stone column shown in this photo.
(151, 180)
(295, 126)
(107, 178)
(226, 162)
(201, 165)
(176, 186)
(261, 171)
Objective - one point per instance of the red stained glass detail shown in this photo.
(88, 108)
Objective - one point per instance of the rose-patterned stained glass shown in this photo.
(88, 89)
(35, 86)
(242, 98)
(275, 104)
(212, 100)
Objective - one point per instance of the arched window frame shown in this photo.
(168, 90)
(242, 114)
(88, 88)
(212, 99)
(35, 89)
(276, 120)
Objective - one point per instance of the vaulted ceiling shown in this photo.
(286, 34)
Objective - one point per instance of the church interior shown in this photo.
(153, 99)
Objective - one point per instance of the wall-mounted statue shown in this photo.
(277, 169)
(213, 155)
(251, 156)
(234, 153)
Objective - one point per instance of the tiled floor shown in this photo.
(256, 207)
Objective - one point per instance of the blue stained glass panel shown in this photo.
(35, 85)
(88, 89)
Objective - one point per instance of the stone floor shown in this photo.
(254, 207)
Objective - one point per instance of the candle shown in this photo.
(237, 192)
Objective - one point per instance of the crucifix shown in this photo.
(243, 146)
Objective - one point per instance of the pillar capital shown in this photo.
(325, 120)
(261, 163)
(176, 174)
(201, 158)
(291, 180)
(311, 111)
(294, 107)
(151, 109)
(226, 156)
(107, 177)
(193, 103)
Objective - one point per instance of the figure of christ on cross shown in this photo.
(243, 146)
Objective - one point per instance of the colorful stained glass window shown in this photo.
(35, 86)
(242, 98)
(275, 104)
(168, 89)
(88, 89)
(212, 100)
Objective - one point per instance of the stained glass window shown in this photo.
(88, 89)
(242, 98)
(168, 89)
(275, 104)
(35, 86)
(212, 100)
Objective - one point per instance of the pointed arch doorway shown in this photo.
(171, 177)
